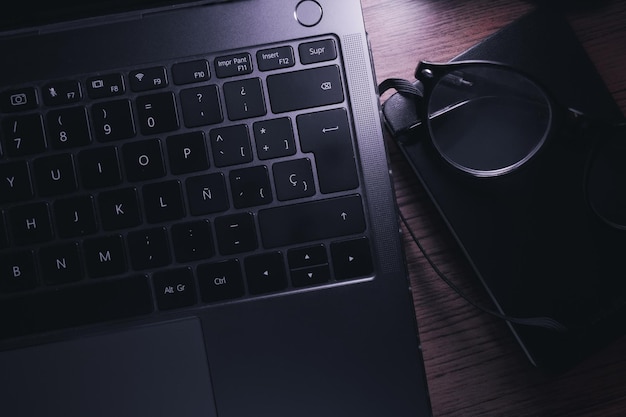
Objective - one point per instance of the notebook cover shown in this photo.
(530, 236)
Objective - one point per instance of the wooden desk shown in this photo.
(473, 364)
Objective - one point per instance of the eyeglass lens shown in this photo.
(487, 120)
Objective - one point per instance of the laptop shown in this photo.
(197, 217)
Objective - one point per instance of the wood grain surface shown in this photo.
(473, 363)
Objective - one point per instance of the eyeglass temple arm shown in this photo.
(400, 111)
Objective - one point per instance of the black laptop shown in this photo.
(196, 215)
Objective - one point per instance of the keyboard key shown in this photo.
(312, 275)
(104, 86)
(191, 72)
(201, 106)
(317, 51)
(207, 194)
(230, 145)
(294, 179)
(23, 135)
(192, 241)
(148, 79)
(174, 288)
(233, 65)
(157, 113)
(149, 248)
(82, 305)
(274, 138)
(187, 153)
(55, 175)
(17, 273)
(30, 223)
(163, 201)
(311, 221)
(18, 100)
(15, 184)
(352, 258)
(113, 120)
(236, 233)
(220, 281)
(99, 167)
(119, 209)
(244, 99)
(60, 263)
(61, 92)
(307, 256)
(327, 135)
(305, 89)
(265, 273)
(275, 58)
(104, 256)
(68, 128)
(250, 187)
(75, 216)
(143, 160)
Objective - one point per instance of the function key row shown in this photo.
(147, 79)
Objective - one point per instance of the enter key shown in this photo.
(327, 135)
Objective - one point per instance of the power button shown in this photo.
(308, 13)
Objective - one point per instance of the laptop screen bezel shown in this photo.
(19, 15)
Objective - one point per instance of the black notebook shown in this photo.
(530, 236)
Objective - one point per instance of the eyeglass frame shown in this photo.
(429, 74)
(564, 120)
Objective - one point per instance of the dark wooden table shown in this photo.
(473, 364)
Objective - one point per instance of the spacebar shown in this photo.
(75, 306)
(307, 222)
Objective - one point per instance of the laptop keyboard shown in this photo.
(177, 185)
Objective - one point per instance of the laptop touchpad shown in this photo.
(156, 370)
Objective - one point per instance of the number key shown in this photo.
(113, 120)
(68, 127)
(157, 113)
(23, 135)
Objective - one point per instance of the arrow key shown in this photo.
(352, 258)
(310, 276)
(307, 256)
(265, 273)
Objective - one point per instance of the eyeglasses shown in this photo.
(488, 120)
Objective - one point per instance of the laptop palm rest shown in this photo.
(150, 371)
